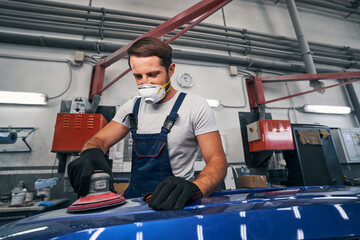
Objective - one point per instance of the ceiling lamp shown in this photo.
(26, 98)
(326, 109)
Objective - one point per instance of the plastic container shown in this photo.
(18, 198)
(45, 192)
(244, 171)
(45, 183)
(29, 196)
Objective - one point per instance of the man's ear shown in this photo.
(171, 69)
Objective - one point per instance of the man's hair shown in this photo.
(150, 46)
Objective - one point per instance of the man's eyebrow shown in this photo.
(153, 72)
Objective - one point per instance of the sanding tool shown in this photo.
(99, 195)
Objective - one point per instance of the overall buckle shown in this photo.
(168, 124)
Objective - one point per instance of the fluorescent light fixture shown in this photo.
(326, 109)
(27, 98)
(213, 103)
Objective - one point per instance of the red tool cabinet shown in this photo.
(72, 130)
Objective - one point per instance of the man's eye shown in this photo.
(137, 76)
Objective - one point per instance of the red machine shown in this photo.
(72, 130)
(270, 134)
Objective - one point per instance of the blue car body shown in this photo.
(269, 213)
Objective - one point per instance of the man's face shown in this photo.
(148, 70)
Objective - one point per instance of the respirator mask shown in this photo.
(153, 93)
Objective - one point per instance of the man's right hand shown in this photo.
(81, 169)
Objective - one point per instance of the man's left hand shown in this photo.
(173, 193)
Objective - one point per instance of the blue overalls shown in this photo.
(150, 155)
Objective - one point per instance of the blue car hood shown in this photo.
(271, 213)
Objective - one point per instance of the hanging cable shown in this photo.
(88, 59)
(53, 167)
(70, 81)
(243, 73)
(291, 103)
(93, 59)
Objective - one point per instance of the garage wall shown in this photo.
(212, 81)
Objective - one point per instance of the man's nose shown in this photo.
(147, 80)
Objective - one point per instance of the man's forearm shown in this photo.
(211, 177)
(94, 142)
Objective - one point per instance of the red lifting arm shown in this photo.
(204, 7)
(256, 91)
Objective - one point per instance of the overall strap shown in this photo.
(134, 116)
(171, 118)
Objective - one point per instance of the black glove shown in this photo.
(81, 169)
(173, 193)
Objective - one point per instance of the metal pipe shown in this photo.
(332, 6)
(256, 52)
(304, 47)
(68, 27)
(199, 36)
(69, 30)
(147, 16)
(29, 17)
(245, 32)
(72, 13)
(131, 36)
(111, 47)
(246, 61)
(242, 31)
(264, 52)
(92, 9)
(39, 25)
(98, 17)
(33, 9)
(339, 8)
(122, 27)
(117, 27)
(84, 23)
(343, 64)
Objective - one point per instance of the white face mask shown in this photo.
(153, 93)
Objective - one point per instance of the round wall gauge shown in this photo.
(185, 80)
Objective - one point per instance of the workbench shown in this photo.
(10, 214)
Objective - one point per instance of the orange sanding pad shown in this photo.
(96, 201)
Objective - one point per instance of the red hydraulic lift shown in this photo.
(201, 10)
(256, 91)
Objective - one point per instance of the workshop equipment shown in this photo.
(72, 130)
(18, 194)
(276, 136)
(99, 195)
(268, 134)
(276, 171)
(76, 123)
(347, 142)
(9, 137)
(44, 187)
(313, 162)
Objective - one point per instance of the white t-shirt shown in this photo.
(195, 118)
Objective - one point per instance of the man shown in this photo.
(166, 127)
